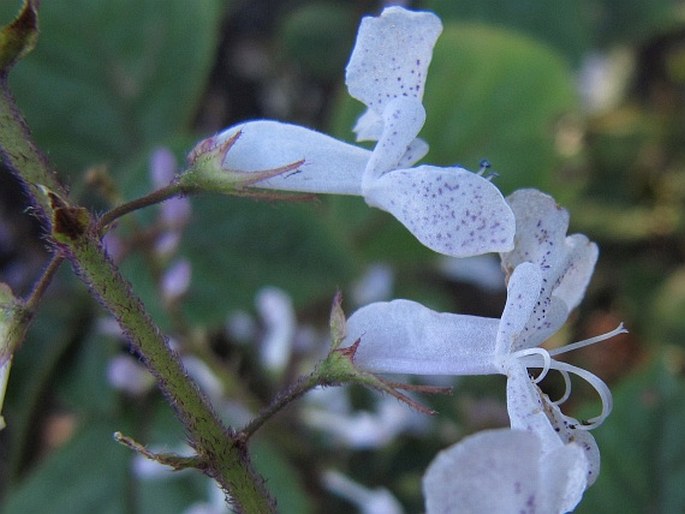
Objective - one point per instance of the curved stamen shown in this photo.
(567, 387)
(546, 361)
(598, 385)
(620, 329)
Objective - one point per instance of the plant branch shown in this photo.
(153, 198)
(74, 234)
(44, 281)
(291, 394)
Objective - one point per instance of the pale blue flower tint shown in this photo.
(549, 273)
(450, 210)
(367, 501)
(276, 310)
(505, 472)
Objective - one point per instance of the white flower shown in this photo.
(450, 210)
(278, 315)
(128, 375)
(366, 429)
(505, 471)
(368, 501)
(549, 273)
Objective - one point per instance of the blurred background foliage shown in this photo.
(584, 100)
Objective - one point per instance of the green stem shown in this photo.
(227, 461)
(44, 282)
(153, 198)
(74, 234)
(303, 386)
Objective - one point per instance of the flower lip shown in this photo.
(542, 358)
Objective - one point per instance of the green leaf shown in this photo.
(237, 246)
(317, 38)
(19, 37)
(83, 386)
(563, 25)
(494, 94)
(89, 474)
(641, 445)
(283, 481)
(35, 367)
(667, 324)
(109, 77)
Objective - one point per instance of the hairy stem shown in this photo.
(74, 234)
(44, 281)
(153, 198)
(301, 387)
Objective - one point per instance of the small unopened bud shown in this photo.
(176, 281)
(368, 501)
(204, 376)
(276, 309)
(337, 322)
(127, 375)
(162, 167)
(114, 246)
(375, 285)
(175, 212)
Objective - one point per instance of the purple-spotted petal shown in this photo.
(565, 262)
(531, 410)
(450, 210)
(503, 471)
(527, 408)
(402, 121)
(563, 478)
(541, 227)
(405, 337)
(523, 292)
(580, 263)
(390, 60)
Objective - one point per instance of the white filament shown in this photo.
(566, 369)
(620, 329)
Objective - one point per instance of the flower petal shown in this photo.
(330, 166)
(566, 263)
(450, 210)
(523, 292)
(569, 431)
(563, 477)
(417, 149)
(580, 263)
(402, 120)
(491, 471)
(405, 337)
(390, 60)
(531, 410)
(528, 407)
(541, 227)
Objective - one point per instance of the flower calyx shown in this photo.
(206, 170)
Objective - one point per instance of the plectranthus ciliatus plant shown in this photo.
(450, 210)
(543, 463)
(548, 458)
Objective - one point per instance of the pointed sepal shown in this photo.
(207, 170)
